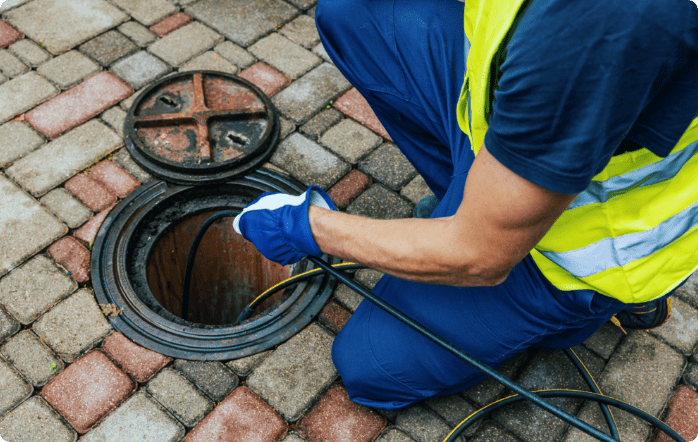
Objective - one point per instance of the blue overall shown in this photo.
(406, 58)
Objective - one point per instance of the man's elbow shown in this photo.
(483, 275)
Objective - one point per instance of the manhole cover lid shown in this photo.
(201, 127)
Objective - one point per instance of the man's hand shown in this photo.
(277, 224)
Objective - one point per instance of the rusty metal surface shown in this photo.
(201, 127)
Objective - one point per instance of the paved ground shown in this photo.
(68, 71)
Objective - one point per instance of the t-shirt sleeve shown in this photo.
(579, 78)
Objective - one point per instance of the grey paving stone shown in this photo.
(244, 366)
(320, 51)
(8, 325)
(490, 390)
(185, 43)
(74, 326)
(491, 432)
(243, 21)
(690, 376)
(303, 31)
(138, 33)
(23, 93)
(423, 425)
(17, 139)
(123, 159)
(108, 47)
(140, 69)
(147, 12)
(308, 95)
(309, 162)
(389, 166)
(3, 78)
(416, 189)
(319, 124)
(115, 117)
(57, 161)
(235, 54)
(350, 140)
(68, 69)
(213, 378)
(32, 289)
(126, 104)
(348, 297)
(10, 65)
(179, 396)
(453, 409)
(380, 203)
(286, 128)
(14, 388)
(35, 421)
(26, 227)
(52, 22)
(140, 418)
(66, 207)
(183, 2)
(209, 61)
(9, 4)
(681, 330)
(291, 379)
(285, 55)
(30, 53)
(304, 4)
(629, 428)
(292, 437)
(689, 291)
(368, 277)
(605, 340)
(32, 358)
(393, 435)
(547, 369)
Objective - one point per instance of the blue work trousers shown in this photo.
(406, 57)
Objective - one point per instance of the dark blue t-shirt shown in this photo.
(579, 79)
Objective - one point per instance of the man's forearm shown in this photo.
(422, 250)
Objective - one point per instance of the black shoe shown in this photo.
(644, 317)
(425, 206)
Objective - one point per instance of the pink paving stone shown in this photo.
(169, 24)
(334, 317)
(114, 178)
(8, 34)
(137, 361)
(354, 105)
(78, 104)
(241, 417)
(88, 390)
(95, 196)
(351, 186)
(682, 415)
(265, 77)
(335, 418)
(72, 255)
(88, 232)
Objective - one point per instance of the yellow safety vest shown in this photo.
(633, 233)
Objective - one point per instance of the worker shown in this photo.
(559, 140)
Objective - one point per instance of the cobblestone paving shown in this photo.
(69, 71)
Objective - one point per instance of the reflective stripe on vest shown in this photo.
(633, 233)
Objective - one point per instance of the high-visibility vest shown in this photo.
(633, 233)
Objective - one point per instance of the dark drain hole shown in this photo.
(235, 138)
(228, 274)
(168, 101)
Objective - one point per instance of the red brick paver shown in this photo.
(8, 34)
(351, 186)
(354, 105)
(241, 417)
(169, 24)
(72, 255)
(265, 77)
(78, 104)
(334, 317)
(114, 178)
(95, 196)
(335, 418)
(682, 415)
(137, 361)
(88, 390)
(88, 232)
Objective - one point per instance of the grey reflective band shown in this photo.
(665, 169)
(618, 252)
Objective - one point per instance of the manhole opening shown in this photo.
(228, 272)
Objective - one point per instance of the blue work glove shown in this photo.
(278, 224)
